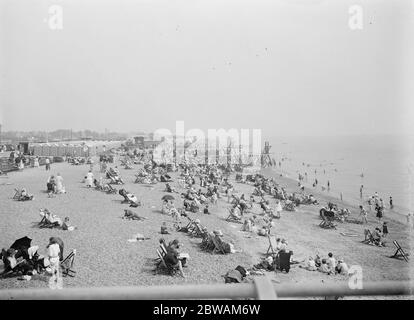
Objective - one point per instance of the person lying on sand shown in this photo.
(130, 215)
(50, 218)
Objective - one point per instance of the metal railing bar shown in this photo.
(209, 291)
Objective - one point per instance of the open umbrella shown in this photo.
(21, 243)
(167, 197)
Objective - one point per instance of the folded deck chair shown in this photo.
(271, 249)
(400, 253)
(67, 264)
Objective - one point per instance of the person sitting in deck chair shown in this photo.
(235, 213)
(173, 255)
(49, 220)
(24, 195)
(377, 237)
(51, 185)
(228, 247)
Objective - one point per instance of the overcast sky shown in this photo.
(286, 67)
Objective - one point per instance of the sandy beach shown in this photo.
(106, 258)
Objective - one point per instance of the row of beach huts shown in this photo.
(73, 148)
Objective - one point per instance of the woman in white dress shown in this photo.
(21, 165)
(279, 208)
(36, 162)
(89, 179)
(59, 184)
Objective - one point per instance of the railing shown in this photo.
(262, 289)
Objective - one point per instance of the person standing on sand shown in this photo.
(391, 204)
(47, 161)
(59, 184)
(360, 191)
(89, 179)
(329, 185)
(379, 209)
(363, 213)
(384, 229)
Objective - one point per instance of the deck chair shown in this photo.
(207, 243)
(163, 250)
(231, 218)
(271, 249)
(67, 264)
(46, 224)
(197, 231)
(217, 246)
(111, 189)
(187, 228)
(369, 238)
(170, 270)
(400, 253)
(18, 194)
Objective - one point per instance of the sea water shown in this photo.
(382, 164)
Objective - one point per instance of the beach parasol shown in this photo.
(21, 243)
(168, 197)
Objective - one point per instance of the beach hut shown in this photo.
(61, 150)
(77, 150)
(54, 150)
(37, 150)
(46, 150)
(69, 150)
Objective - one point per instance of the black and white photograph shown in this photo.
(233, 150)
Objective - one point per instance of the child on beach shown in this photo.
(384, 229)
(363, 213)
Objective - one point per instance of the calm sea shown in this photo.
(386, 163)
